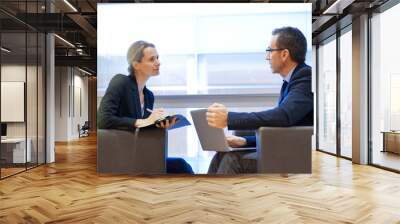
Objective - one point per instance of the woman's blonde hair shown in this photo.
(135, 53)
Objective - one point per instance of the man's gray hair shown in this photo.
(135, 53)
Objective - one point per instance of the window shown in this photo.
(346, 94)
(385, 87)
(327, 96)
(22, 65)
(203, 48)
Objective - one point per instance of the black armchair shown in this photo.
(84, 130)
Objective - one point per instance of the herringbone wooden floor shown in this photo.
(70, 191)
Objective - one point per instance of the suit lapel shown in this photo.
(284, 89)
(135, 95)
(283, 92)
(146, 103)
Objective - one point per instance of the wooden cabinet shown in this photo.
(391, 141)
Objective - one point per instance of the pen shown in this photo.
(149, 110)
(162, 117)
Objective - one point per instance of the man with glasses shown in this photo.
(286, 55)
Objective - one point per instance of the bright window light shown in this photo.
(203, 48)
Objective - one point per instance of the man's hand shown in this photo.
(217, 116)
(236, 141)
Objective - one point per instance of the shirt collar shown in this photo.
(289, 75)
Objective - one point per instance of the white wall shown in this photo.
(12, 73)
(80, 100)
(61, 103)
(33, 127)
(71, 94)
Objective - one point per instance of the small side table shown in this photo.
(391, 141)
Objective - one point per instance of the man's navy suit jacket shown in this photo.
(295, 107)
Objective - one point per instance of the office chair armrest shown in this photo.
(142, 151)
(284, 149)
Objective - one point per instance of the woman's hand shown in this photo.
(166, 123)
(157, 114)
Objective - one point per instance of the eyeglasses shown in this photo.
(269, 50)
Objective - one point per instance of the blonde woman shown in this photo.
(128, 104)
